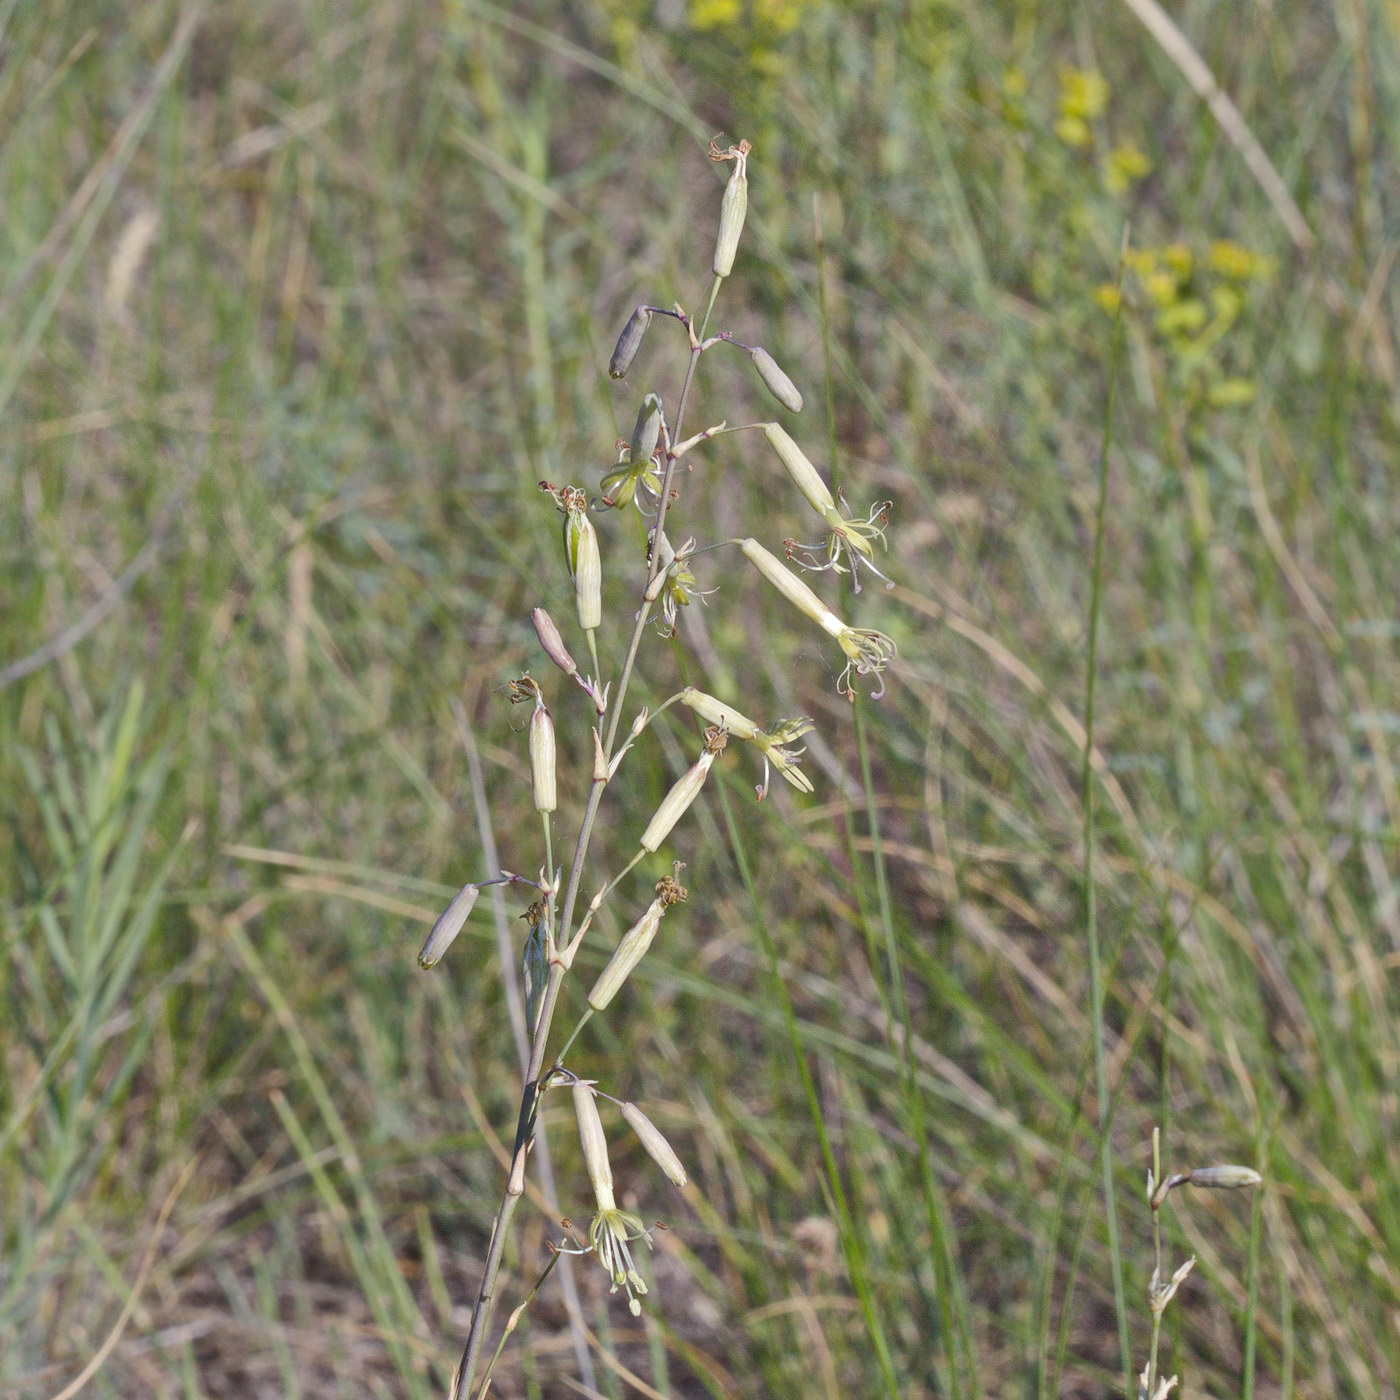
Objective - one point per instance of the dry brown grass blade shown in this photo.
(100, 1356)
(1192, 67)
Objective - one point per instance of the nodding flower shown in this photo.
(771, 743)
(850, 539)
(867, 652)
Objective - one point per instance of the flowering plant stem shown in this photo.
(561, 932)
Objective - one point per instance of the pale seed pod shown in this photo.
(658, 1149)
(791, 587)
(804, 475)
(448, 926)
(775, 381)
(674, 804)
(595, 1144)
(542, 760)
(588, 576)
(1227, 1178)
(552, 642)
(732, 209)
(629, 342)
(647, 432)
(628, 953)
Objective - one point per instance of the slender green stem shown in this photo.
(525, 1126)
(1091, 914)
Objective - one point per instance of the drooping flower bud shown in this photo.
(448, 926)
(552, 642)
(804, 475)
(1225, 1178)
(687, 788)
(733, 206)
(542, 758)
(775, 381)
(629, 342)
(658, 1149)
(595, 1144)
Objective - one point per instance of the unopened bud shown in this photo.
(629, 342)
(588, 576)
(595, 1144)
(647, 432)
(775, 381)
(448, 926)
(552, 642)
(732, 208)
(804, 475)
(1226, 1178)
(542, 755)
(628, 953)
(658, 1149)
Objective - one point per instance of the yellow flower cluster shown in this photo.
(1083, 99)
(1194, 302)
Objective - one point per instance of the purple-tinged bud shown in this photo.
(552, 642)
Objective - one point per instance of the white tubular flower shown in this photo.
(799, 467)
(610, 1237)
(771, 743)
(595, 1144)
(687, 788)
(867, 652)
(448, 926)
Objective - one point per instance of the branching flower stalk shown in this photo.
(644, 476)
(1161, 1289)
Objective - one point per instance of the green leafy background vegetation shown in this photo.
(300, 302)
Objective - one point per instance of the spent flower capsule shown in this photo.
(733, 206)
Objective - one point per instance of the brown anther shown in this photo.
(522, 689)
(535, 913)
(715, 739)
(669, 891)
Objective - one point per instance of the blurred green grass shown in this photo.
(299, 305)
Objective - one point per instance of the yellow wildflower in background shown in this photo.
(712, 14)
(1127, 163)
(1083, 98)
